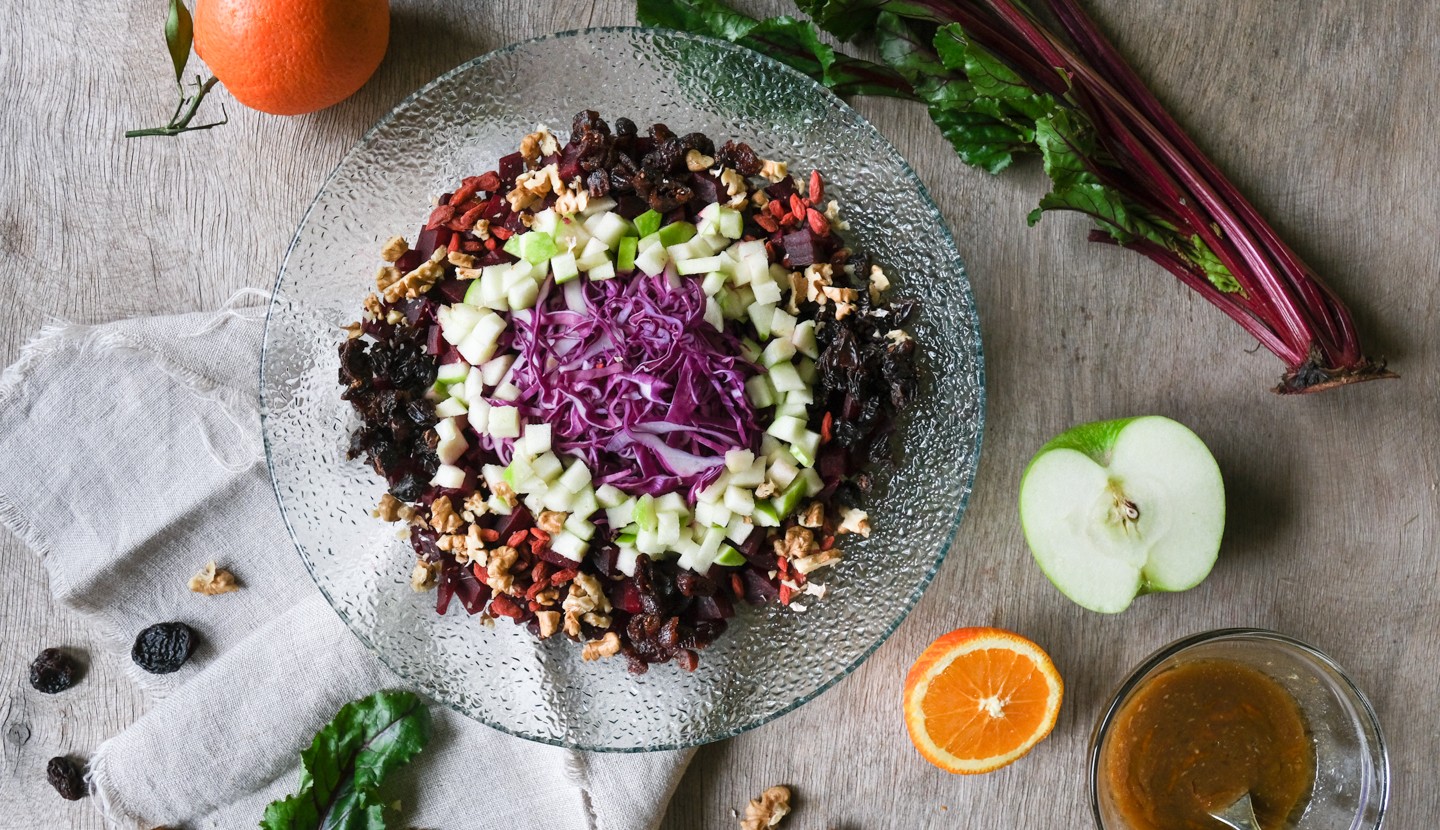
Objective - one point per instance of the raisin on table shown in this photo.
(53, 671)
(64, 775)
(164, 647)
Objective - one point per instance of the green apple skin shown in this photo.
(1078, 495)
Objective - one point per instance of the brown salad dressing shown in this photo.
(1196, 737)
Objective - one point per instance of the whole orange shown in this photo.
(288, 57)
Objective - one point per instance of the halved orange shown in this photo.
(979, 698)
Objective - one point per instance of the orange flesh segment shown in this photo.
(986, 703)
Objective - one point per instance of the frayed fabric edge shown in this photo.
(111, 805)
(577, 771)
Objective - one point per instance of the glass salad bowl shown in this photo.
(771, 659)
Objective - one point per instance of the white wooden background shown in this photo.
(1325, 112)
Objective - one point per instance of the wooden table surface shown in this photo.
(1323, 112)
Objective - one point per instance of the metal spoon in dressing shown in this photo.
(1240, 815)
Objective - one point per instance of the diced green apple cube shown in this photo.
(802, 397)
(783, 472)
(498, 506)
(479, 415)
(593, 256)
(507, 391)
(699, 265)
(537, 439)
(813, 483)
(457, 321)
(504, 422)
(492, 287)
(603, 271)
(479, 345)
(794, 410)
(452, 444)
(609, 496)
(765, 514)
(625, 560)
(537, 246)
(576, 477)
(609, 228)
(645, 514)
(569, 545)
(760, 392)
(676, 232)
(585, 503)
(492, 372)
(786, 502)
(806, 448)
(738, 530)
(544, 221)
(621, 514)
(548, 465)
(668, 529)
(564, 268)
(738, 460)
(730, 557)
(534, 502)
(652, 261)
(558, 498)
(805, 368)
(450, 407)
(765, 292)
(625, 254)
(647, 542)
(786, 379)
(714, 281)
(577, 525)
(671, 503)
(730, 223)
(523, 294)
(449, 476)
(784, 427)
(750, 477)
(779, 350)
(760, 315)
(781, 325)
(453, 372)
(648, 223)
(804, 339)
(597, 207)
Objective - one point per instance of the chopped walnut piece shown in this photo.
(814, 515)
(760, 198)
(843, 310)
(482, 229)
(394, 248)
(475, 504)
(816, 561)
(854, 521)
(765, 490)
(533, 185)
(695, 161)
(549, 622)
(607, 646)
(537, 145)
(386, 276)
(767, 810)
(373, 307)
(391, 509)
(878, 282)
(773, 171)
(443, 517)
(505, 493)
(417, 282)
(497, 569)
(585, 599)
(832, 213)
(461, 260)
(896, 336)
(736, 187)
(353, 331)
(547, 597)
(394, 316)
(840, 295)
(211, 581)
(551, 521)
(797, 543)
(451, 542)
(424, 577)
(572, 201)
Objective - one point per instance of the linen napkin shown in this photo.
(132, 457)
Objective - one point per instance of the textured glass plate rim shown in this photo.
(947, 242)
(1362, 703)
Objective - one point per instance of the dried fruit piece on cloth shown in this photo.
(768, 810)
(211, 581)
(164, 647)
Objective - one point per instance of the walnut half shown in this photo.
(767, 810)
(212, 580)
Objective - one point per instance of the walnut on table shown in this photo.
(768, 810)
(212, 581)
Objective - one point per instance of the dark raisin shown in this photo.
(741, 157)
(164, 647)
(687, 659)
(64, 775)
(625, 128)
(660, 132)
(588, 121)
(598, 184)
(53, 671)
(698, 141)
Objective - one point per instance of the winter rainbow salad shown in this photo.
(619, 384)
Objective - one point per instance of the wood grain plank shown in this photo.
(1321, 112)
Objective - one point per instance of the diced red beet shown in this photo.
(519, 519)
(707, 189)
(630, 206)
(625, 596)
(409, 261)
(570, 163)
(513, 222)
(782, 190)
(446, 589)
(832, 464)
(804, 247)
(429, 239)
(495, 257)
(560, 560)
(434, 343)
(452, 290)
(758, 587)
(717, 607)
(472, 592)
(510, 167)
(757, 553)
(604, 557)
(496, 209)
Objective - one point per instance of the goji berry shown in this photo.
(826, 425)
(500, 233)
(489, 534)
(798, 205)
(488, 181)
(767, 222)
(517, 538)
(818, 223)
(737, 585)
(469, 187)
(785, 594)
(817, 188)
(776, 208)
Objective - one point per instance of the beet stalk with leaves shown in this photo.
(1000, 82)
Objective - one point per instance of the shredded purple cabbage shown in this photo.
(647, 392)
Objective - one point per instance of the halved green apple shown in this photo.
(1114, 509)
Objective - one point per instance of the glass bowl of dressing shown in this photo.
(1219, 714)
